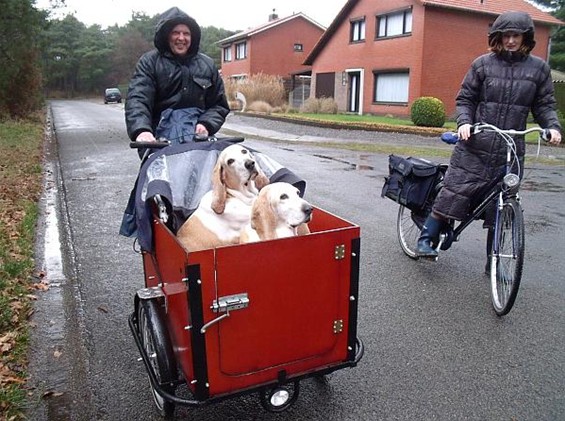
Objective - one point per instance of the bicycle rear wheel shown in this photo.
(408, 228)
(507, 257)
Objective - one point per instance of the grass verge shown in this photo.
(21, 146)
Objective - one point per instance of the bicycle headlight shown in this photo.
(511, 180)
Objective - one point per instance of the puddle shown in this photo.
(351, 166)
(531, 185)
(52, 255)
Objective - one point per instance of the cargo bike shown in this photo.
(242, 319)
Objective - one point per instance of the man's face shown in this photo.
(179, 39)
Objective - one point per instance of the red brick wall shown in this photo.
(272, 51)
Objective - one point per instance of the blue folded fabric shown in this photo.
(178, 126)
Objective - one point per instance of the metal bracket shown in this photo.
(150, 293)
(225, 305)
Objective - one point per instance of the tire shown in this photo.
(408, 229)
(507, 257)
(280, 398)
(157, 346)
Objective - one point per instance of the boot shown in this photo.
(490, 238)
(429, 236)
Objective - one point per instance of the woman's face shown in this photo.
(512, 41)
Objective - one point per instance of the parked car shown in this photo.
(112, 95)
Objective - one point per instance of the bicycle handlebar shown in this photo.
(545, 134)
(452, 137)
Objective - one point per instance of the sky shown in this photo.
(226, 14)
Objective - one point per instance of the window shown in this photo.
(392, 87)
(357, 30)
(241, 51)
(298, 47)
(227, 53)
(394, 24)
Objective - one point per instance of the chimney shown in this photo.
(273, 16)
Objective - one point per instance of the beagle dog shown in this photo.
(278, 212)
(226, 209)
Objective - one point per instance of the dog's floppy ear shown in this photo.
(261, 180)
(263, 218)
(219, 193)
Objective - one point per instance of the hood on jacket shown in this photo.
(168, 20)
(512, 21)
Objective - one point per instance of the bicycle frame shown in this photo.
(500, 188)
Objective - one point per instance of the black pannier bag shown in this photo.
(410, 181)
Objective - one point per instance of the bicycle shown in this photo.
(508, 245)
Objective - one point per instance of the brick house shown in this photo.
(377, 57)
(278, 47)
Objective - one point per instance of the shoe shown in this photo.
(429, 236)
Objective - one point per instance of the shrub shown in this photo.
(258, 87)
(328, 106)
(428, 111)
(319, 106)
(260, 107)
(310, 106)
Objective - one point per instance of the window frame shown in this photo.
(227, 51)
(386, 16)
(357, 30)
(238, 47)
(389, 101)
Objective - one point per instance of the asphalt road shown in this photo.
(434, 347)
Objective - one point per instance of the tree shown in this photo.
(557, 53)
(20, 77)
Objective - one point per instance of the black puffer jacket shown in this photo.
(162, 80)
(499, 89)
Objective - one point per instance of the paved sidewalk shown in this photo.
(254, 126)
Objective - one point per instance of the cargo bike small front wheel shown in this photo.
(280, 398)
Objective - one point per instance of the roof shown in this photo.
(495, 7)
(488, 7)
(266, 26)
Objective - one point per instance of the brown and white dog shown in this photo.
(226, 209)
(278, 212)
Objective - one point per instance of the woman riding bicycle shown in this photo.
(500, 88)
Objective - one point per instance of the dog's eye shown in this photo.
(244, 151)
(284, 196)
(231, 161)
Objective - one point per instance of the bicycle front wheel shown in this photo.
(408, 229)
(507, 257)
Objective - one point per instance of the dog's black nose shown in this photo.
(250, 165)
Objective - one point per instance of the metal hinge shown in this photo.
(339, 252)
(338, 326)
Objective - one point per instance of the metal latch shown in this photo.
(225, 305)
(230, 302)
